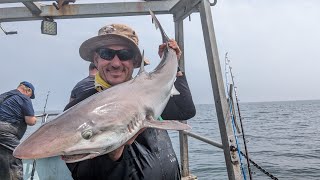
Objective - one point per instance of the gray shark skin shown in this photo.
(107, 120)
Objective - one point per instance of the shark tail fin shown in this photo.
(155, 20)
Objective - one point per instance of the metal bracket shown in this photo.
(34, 8)
(233, 150)
(8, 32)
(184, 8)
(62, 3)
(214, 3)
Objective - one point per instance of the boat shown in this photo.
(47, 11)
(47, 168)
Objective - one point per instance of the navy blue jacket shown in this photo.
(14, 106)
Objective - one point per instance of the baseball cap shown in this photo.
(29, 85)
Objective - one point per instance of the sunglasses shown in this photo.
(108, 54)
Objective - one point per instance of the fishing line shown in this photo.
(44, 119)
(225, 71)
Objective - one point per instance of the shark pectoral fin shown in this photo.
(174, 91)
(167, 124)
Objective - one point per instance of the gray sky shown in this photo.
(273, 47)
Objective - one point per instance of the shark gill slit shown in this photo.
(149, 113)
(130, 127)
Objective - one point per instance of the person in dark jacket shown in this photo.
(16, 112)
(85, 84)
(149, 154)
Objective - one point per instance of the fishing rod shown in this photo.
(240, 118)
(44, 119)
(233, 117)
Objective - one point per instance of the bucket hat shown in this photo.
(113, 34)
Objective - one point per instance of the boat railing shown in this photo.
(203, 139)
(45, 116)
(184, 152)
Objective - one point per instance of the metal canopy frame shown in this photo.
(180, 9)
(36, 11)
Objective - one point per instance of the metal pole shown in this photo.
(183, 138)
(203, 139)
(221, 104)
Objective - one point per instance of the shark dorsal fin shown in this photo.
(142, 64)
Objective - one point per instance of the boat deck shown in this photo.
(47, 169)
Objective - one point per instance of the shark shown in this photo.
(106, 120)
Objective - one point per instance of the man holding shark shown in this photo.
(149, 154)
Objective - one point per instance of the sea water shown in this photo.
(282, 138)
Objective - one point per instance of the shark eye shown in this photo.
(87, 134)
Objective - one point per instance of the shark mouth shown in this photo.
(75, 157)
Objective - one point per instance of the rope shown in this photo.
(258, 167)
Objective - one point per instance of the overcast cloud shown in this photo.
(273, 47)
